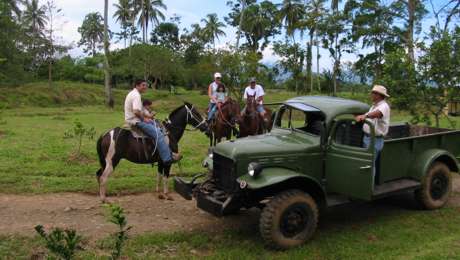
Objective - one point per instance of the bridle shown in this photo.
(190, 115)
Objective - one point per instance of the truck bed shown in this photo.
(404, 142)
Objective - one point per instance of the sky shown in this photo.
(190, 11)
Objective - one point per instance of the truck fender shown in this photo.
(277, 178)
(423, 162)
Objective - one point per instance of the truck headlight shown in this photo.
(254, 169)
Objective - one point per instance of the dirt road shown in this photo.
(146, 213)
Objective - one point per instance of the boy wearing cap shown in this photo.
(379, 115)
(212, 90)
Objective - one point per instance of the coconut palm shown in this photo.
(212, 28)
(34, 17)
(290, 13)
(123, 15)
(14, 6)
(149, 11)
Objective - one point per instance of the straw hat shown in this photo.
(381, 90)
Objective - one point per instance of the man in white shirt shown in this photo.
(212, 90)
(379, 115)
(258, 92)
(134, 117)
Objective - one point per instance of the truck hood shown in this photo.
(278, 141)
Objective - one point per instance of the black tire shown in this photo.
(289, 219)
(436, 187)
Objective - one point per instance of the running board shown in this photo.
(392, 187)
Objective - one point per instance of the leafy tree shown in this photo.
(92, 33)
(34, 20)
(212, 29)
(292, 60)
(34, 17)
(440, 70)
(166, 35)
(335, 28)
(78, 132)
(372, 26)
(12, 58)
(258, 22)
(411, 12)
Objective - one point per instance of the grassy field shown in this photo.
(35, 158)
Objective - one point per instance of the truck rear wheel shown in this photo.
(436, 187)
(289, 219)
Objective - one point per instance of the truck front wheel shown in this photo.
(436, 187)
(289, 219)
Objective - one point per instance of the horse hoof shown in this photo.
(169, 197)
(161, 196)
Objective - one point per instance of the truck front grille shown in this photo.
(224, 172)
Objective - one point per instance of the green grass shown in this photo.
(388, 229)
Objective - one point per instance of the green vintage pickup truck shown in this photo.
(313, 159)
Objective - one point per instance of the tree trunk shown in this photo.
(310, 60)
(107, 69)
(318, 56)
(411, 5)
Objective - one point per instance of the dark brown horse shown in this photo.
(224, 123)
(119, 144)
(251, 122)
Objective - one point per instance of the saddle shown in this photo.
(137, 133)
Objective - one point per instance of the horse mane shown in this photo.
(179, 108)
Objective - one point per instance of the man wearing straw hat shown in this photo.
(379, 116)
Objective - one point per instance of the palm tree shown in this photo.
(291, 12)
(14, 6)
(34, 17)
(149, 11)
(315, 10)
(123, 15)
(212, 28)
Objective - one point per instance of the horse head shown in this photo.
(251, 104)
(231, 111)
(195, 119)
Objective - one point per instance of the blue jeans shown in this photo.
(212, 108)
(259, 108)
(378, 147)
(156, 134)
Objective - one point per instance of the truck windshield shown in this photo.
(290, 117)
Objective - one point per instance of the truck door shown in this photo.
(349, 166)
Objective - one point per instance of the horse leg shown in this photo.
(166, 172)
(160, 180)
(110, 163)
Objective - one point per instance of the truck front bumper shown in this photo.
(206, 202)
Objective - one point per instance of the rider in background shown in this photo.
(212, 88)
(256, 90)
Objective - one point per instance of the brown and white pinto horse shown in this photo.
(251, 122)
(119, 144)
(224, 123)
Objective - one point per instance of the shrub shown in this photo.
(62, 243)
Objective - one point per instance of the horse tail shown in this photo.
(100, 154)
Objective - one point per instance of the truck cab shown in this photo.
(314, 158)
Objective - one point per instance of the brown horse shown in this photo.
(251, 122)
(119, 144)
(224, 123)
